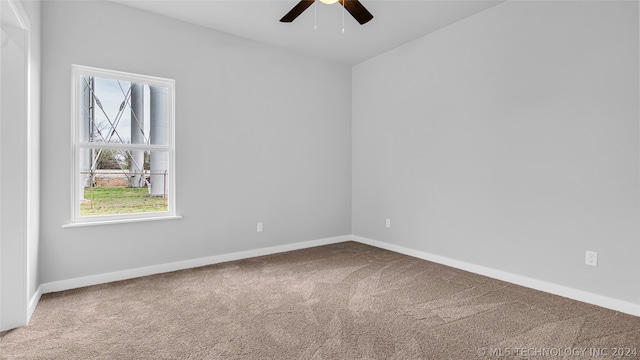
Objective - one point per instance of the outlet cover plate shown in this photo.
(591, 258)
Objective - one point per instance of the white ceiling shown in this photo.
(395, 22)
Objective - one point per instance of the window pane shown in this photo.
(106, 200)
(118, 181)
(119, 111)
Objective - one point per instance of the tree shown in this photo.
(111, 160)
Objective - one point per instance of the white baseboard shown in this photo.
(33, 302)
(564, 291)
(579, 295)
(179, 265)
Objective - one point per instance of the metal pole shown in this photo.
(164, 191)
(85, 130)
(136, 162)
(158, 135)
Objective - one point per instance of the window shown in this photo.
(123, 146)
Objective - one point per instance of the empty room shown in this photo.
(332, 179)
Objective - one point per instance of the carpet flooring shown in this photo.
(341, 301)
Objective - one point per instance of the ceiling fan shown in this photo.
(354, 7)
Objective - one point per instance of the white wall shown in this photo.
(19, 160)
(508, 140)
(262, 135)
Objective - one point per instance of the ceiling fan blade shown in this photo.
(297, 10)
(357, 10)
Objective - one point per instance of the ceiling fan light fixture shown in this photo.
(329, 2)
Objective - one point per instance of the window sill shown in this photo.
(121, 221)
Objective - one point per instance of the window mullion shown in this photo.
(120, 146)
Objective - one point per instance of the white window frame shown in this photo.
(77, 71)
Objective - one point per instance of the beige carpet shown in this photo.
(342, 301)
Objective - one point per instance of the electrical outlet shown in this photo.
(591, 258)
(388, 223)
(259, 227)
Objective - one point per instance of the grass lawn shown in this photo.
(106, 200)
